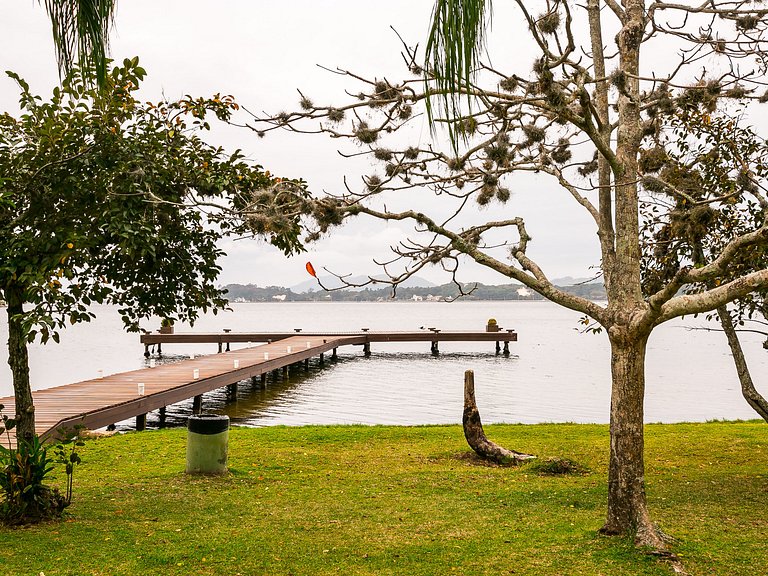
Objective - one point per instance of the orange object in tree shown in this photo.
(311, 269)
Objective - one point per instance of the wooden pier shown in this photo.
(117, 397)
(225, 338)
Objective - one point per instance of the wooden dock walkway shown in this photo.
(225, 338)
(116, 397)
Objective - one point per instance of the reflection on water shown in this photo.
(320, 393)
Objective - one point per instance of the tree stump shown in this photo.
(475, 435)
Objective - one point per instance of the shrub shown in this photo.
(25, 497)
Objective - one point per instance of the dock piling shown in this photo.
(141, 422)
(197, 404)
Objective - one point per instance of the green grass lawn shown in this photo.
(400, 500)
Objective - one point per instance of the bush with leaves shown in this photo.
(26, 498)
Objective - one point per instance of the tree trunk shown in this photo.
(18, 360)
(475, 435)
(751, 395)
(627, 508)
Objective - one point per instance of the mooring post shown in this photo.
(146, 350)
(141, 422)
(264, 380)
(162, 416)
(285, 371)
(227, 345)
(159, 349)
(435, 349)
(367, 348)
(197, 404)
(306, 364)
(219, 346)
(232, 391)
(506, 347)
(322, 358)
(498, 347)
(334, 356)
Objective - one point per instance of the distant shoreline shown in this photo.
(251, 293)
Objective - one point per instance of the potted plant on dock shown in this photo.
(492, 325)
(166, 326)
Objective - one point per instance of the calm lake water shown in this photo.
(554, 374)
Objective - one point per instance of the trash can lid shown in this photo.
(208, 423)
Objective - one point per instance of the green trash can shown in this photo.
(207, 442)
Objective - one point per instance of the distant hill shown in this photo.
(373, 293)
(571, 281)
(332, 283)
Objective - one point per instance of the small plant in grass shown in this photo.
(558, 467)
(24, 496)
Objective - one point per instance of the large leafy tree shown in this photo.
(107, 199)
(588, 119)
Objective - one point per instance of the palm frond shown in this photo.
(456, 41)
(81, 33)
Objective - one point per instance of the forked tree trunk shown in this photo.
(627, 508)
(475, 435)
(751, 395)
(18, 360)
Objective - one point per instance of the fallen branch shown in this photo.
(475, 435)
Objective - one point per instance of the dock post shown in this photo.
(285, 371)
(159, 349)
(322, 358)
(498, 347)
(227, 345)
(306, 364)
(197, 404)
(219, 347)
(232, 391)
(146, 350)
(367, 348)
(506, 348)
(162, 416)
(334, 356)
(435, 349)
(264, 380)
(141, 422)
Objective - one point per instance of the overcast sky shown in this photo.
(261, 52)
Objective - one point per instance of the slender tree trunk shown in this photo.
(751, 395)
(627, 508)
(18, 360)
